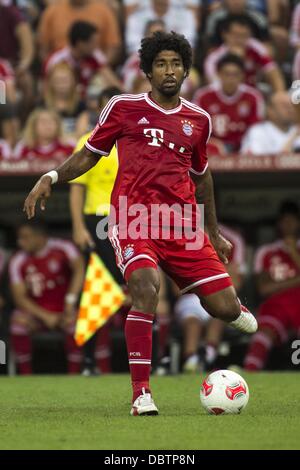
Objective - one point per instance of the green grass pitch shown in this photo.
(59, 412)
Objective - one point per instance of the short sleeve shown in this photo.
(107, 130)
(15, 269)
(199, 157)
(68, 248)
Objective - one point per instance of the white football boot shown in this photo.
(144, 405)
(191, 365)
(246, 322)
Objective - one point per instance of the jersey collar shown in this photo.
(159, 108)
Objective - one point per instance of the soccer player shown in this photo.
(46, 277)
(161, 141)
(277, 266)
(233, 105)
(194, 318)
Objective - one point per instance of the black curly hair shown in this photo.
(162, 41)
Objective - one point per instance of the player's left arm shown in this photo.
(205, 195)
(77, 267)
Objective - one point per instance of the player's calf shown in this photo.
(226, 306)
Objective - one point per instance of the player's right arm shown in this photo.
(77, 164)
(100, 143)
(26, 304)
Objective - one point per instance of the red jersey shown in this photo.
(46, 274)
(56, 150)
(157, 148)
(85, 68)
(6, 71)
(231, 115)
(276, 261)
(257, 59)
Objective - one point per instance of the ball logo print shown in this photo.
(206, 388)
(235, 391)
(224, 392)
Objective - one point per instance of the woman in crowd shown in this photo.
(43, 137)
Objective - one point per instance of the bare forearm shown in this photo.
(205, 195)
(271, 287)
(25, 38)
(275, 79)
(77, 197)
(77, 278)
(296, 258)
(29, 306)
(76, 165)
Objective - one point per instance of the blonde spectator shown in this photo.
(43, 137)
(61, 94)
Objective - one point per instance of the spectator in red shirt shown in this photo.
(233, 105)
(46, 277)
(84, 56)
(58, 18)
(237, 37)
(43, 138)
(16, 46)
(9, 122)
(277, 266)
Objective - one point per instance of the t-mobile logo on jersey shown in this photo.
(156, 134)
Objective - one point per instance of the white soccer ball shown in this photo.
(224, 392)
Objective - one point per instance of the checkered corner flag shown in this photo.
(101, 298)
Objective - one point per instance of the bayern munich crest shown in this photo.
(187, 127)
(128, 252)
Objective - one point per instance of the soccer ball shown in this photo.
(224, 392)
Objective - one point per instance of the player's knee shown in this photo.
(144, 294)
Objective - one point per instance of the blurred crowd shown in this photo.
(56, 57)
(59, 59)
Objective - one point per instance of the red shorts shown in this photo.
(190, 269)
(281, 314)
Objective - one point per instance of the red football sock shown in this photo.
(138, 334)
(258, 352)
(103, 350)
(163, 334)
(74, 356)
(23, 351)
